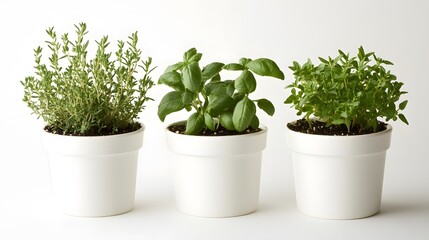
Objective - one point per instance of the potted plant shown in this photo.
(90, 109)
(340, 144)
(218, 148)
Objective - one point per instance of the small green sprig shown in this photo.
(88, 97)
(216, 102)
(354, 91)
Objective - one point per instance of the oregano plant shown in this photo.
(216, 102)
(356, 92)
(80, 96)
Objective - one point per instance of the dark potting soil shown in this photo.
(95, 132)
(221, 131)
(319, 128)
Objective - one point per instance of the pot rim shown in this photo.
(389, 128)
(141, 129)
(261, 126)
(93, 145)
(338, 145)
(216, 146)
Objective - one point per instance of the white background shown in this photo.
(223, 31)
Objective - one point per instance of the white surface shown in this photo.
(224, 31)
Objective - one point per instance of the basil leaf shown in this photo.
(187, 97)
(266, 105)
(216, 78)
(195, 124)
(230, 89)
(233, 67)
(209, 122)
(215, 87)
(244, 61)
(172, 79)
(191, 77)
(265, 67)
(189, 54)
(226, 121)
(245, 83)
(211, 70)
(174, 67)
(219, 104)
(255, 122)
(171, 102)
(243, 114)
(195, 58)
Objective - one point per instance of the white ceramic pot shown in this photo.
(339, 177)
(217, 176)
(94, 176)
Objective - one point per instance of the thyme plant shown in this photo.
(354, 91)
(216, 102)
(80, 96)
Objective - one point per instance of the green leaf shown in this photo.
(387, 62)
(189, 54)
(226, 121)
(245, 83)
(172, 79)
(230, 89)
(403, 118)
(322, 60)
(266, 105)
(219, 104)
(171, 102)
(174, 67)
(211, 70)
(238, 96)
(191, 77)
(209, 122)
(233, 67)
(187, 97)
(215, 87)
(244, 61)
(255, 122)
(243, 114)
(338, 121)
(195, 58)
(403, 104)
(215, 78)
(290, 99)
(361, 53)
(195, 124)
(265, 67)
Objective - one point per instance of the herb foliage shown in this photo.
(354, 91)
(216, 102)
(88, 97)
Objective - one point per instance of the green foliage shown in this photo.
(88, 97)
(214, 101)
(354, 91)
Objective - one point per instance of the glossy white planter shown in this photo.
(94, 176)
(339, 177)
(217, 176)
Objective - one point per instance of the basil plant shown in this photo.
(215, 102)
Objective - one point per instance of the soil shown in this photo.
(334, 130)
(221, 131)
(105, 131)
